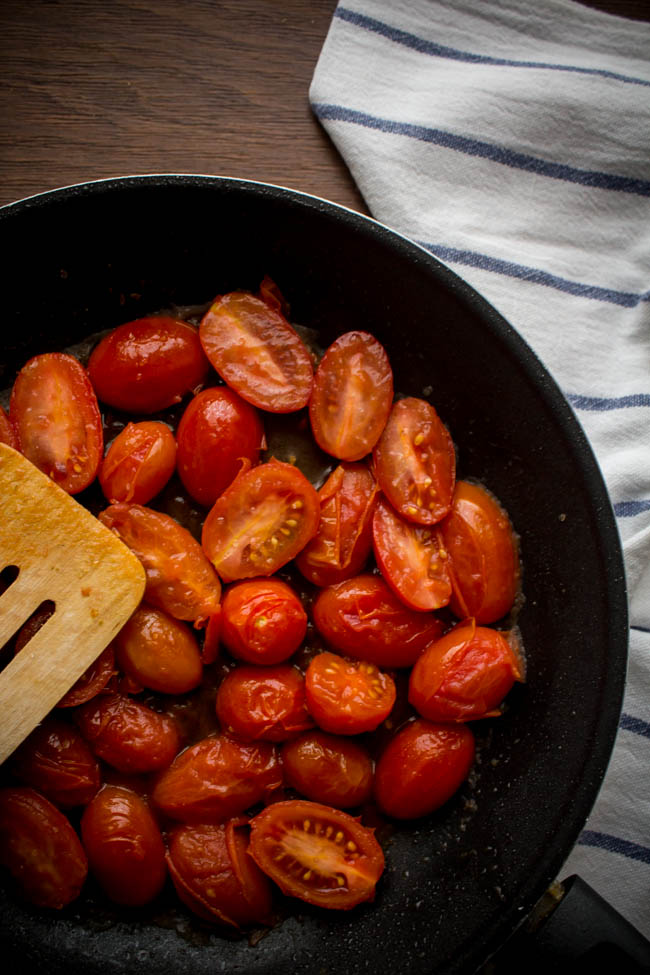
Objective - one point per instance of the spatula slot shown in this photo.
(27, 630)
(8, 575)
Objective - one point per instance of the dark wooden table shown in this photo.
(96, 88)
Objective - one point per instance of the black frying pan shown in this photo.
(457, 884)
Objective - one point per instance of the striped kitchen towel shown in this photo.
(512, 141)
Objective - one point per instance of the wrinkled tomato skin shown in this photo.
(128, 735)
(179, 577)
(352, 396)
(7, 432)
(138, 463)
(124, 846)
(217, 431)
(422, 767)
(159, 652)
(263, 703)
(56, 420)
(211, 639)
(217, 778)
(40, 848)
(215, 877)
(363, 619)
(316, 853)
(263, 621)
(348, 697)
(328, 768)
(148, 364)
(484, 555)
(57, 762)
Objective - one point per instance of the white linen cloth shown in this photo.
(512, 140)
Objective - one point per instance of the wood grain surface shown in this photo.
(97, 88)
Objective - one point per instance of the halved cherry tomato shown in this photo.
(217, 431)
(139, 462)
(363, 618)
(263, 702)
(180, 579)
(257, 352)
(352, 396)
(316, 853)
(415, 462)
(483, 550)
(263, 621)
(57, 421)
(40, 848)
(159, 652)
(124, 846)
(261, 522)
(412, 559)
(56, 761)
(7, 432)
(218, 778)
(343, 541)
(465, 675)
(348, 697)
(422, 767)
(148, 364)
(328, 769)
(214, 875)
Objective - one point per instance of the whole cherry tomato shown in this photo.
(57, 421)
(348, 697)
(263, 702)
(263, 621)
(159, 652)
(7, 432)
(483, 550)
(211, 638)
(56, 761)
(415, 462)
(217, 778)
(362, 618)
(352, 397)
(318, 854)
(148, 364)
(328, 769)
(217, 431)
(139, 462)
(40, 848)
(464, 675)
(124, 846)
(214, 875)
(261, 522)
(422, 767)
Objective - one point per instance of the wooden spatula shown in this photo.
(63, 554)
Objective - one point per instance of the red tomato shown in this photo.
(352, 397)
(217, 431)
(363, 619)
(422, 767)
(257, 352)
(263, 702)
(56, 761)
(412, 559)
(263, 621)
(57, 420)
(7, 432)
(463, 676)
(347, 697)
(316, 853)
(211, 638)
(483, 549)
(139, 462)
(218, 778)
(328, 769)
(127, 734)
(415, 462)
(159, 652)
(215, 877)
(343, 541)
(148, 364)
(40, 848)
(124, 846)
(180, 580)
(261, 522)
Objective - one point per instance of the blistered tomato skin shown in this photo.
(57, 762)
(7, 432)
(348, 697)
(159, 652)
(263, 621)
(139, 462)
(328, 768)
(148, 364)
(263, 703)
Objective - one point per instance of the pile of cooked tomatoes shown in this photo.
(307, 660)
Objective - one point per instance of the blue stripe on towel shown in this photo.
(614, 844)
(598, 403)
(442, 51)
(630, 723)
(486, 150)
(628, 509)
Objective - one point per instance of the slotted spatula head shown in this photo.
(63, 554)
